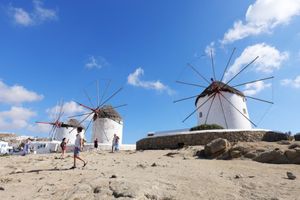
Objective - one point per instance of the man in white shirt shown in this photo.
(78, 147)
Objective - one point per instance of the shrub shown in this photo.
(206, 127)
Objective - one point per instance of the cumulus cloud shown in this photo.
(96, 62)
(270, 59)
(262, 17)
(17, 94)
(38, 15)
(295, 83)
(134, 79)
(254, 88)
(69, 108)
(15, 118)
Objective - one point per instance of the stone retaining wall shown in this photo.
(202, 138)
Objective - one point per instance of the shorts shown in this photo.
(76, 151)
(116, 147)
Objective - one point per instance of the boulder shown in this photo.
(294, 145)
(216, 147)
(274, 156)
(250, 155)
(293, 155)
(275, 136)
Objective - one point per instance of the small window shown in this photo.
(244, 100)
(244, 111)
(200, 114)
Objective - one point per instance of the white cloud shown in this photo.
(262, 17)
(134, 79)
(38, 15)
(270, 59)
(210, 49)
(17, 94)
(254, 88)
(295, 83)
(15, 118)
(69, 108)
(39, 128)
(22, 17)
(97, 63)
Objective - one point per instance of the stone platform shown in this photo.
(192, 138)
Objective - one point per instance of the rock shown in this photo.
(294, 145)
(200, 154)
(274, 136)
(235, 154)
(171, 154)
(151, 196)
(113, 176)
(154, 165)
(250, 155)
(18, 171)
(97, 189)
(290, 175)
(274, 156)
(238, 176)
(216, 147)
(1, 188)
(293, 156)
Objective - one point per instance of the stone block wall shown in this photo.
(201, 138)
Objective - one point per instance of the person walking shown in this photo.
(78, 147)
(115, 143)
(63, 146)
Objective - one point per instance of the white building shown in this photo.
(67, 131)
(106, 123)
(5, 148)
(228, 108)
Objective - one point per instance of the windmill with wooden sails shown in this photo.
(221, 103)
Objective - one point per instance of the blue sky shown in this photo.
(53, 50)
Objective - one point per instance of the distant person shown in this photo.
(115, 143)
(78, 147)
(26, 148)
(96, 143)
(63, 146)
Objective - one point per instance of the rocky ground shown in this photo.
(159, 174)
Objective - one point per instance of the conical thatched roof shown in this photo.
(108, 111)
(218, 85)
(72, 123)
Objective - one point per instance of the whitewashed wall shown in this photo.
(64, 132)
(104, 130)
(234, 119)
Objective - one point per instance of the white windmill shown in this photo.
(106, 120)
(61, 129)
(220, 103)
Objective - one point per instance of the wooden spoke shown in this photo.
(115, 93)
(192, 84)
(242, 70)
(197, 72)
(198, 108)
(210, 108)
(87, 96)
(253, 81)
(183, 99)
(223, 110)
(80, 115)
(229, 60)
(212, 64)
(262, 100)
(237, 109)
